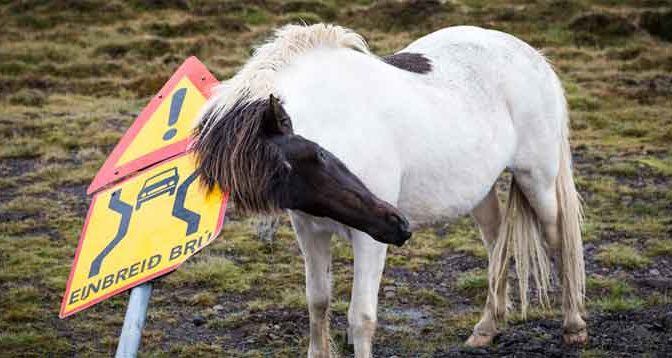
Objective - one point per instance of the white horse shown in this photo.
(336, 133)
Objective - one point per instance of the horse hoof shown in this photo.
(477, 340)
(575, 338)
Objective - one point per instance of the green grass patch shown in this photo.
(615, 288)
(469, 246)
(203, 299)
(622, 169)
(611, 304)
(474, 283)
(659, 166)
(621, 255)
(40, 344)
(28, 97)
(215, 272)
(429, 296)
(463, 236)
(659, 247)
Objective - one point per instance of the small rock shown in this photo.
(276, 326)
(639, 332)
(198, 321)
(218, 307)
(389, 289)
(654, 272)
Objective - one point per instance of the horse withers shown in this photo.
(359, 146)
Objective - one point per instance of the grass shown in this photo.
(474, 283)
(623, 256)
(74, 75)
(215, 272)
(661, 247)
(612, 294)
(610, 304)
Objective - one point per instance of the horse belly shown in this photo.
(450, 175)
(426, 201)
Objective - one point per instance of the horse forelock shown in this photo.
(234, 155)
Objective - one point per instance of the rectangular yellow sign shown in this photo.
(140, 229)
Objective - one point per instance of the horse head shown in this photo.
(251, 150)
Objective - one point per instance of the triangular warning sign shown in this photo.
(163, 128)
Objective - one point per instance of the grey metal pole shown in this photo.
(131, 333)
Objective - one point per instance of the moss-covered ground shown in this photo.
(74, 74)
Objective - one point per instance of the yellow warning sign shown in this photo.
(162, 129)
(170, 123)
(142, 228)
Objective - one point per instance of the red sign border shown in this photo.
(109, 173)
(63, 313)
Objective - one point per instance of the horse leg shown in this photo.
(543, 198)
(488, 216)
(316, 249)
(369, 256)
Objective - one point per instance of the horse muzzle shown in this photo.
(397, 232)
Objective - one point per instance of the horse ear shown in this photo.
(276, 120)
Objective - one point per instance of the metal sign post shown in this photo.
(131, 332)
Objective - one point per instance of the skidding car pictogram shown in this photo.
(157, 185)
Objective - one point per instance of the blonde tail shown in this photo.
(570, 220)
(520, 238)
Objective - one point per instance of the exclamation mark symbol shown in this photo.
(175, 107)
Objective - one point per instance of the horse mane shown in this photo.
(229, 141)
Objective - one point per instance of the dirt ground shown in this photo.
(74, 75)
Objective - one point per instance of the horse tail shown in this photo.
(520, 238)
(570, 219)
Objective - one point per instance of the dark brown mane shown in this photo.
(409, 61)
(234, 154)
